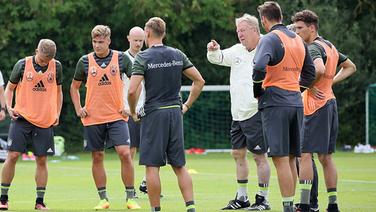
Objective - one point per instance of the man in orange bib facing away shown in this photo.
(104, 116)
(320, 126)
(282, 69)
(37, 81)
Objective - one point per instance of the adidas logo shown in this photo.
(104, 80)
(39, 86)
(257, 148)
(50, 150)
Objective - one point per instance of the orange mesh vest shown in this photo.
(104, 92)
(285, 74)
(36, 95)
(325, 83)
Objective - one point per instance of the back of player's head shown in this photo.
(250, 20)
(47, 48)
(308, 17)
(271, 11)
(101, 31)
(157, 26)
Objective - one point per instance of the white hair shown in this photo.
(250, 20)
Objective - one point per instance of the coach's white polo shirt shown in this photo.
(141, 98)
(243, 104)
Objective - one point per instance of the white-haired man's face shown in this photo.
(247, 34)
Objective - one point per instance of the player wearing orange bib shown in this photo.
(320, 125)
(37, 82)
(104, 116)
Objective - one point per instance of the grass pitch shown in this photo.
(71, 187)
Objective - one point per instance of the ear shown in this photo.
(312, 28)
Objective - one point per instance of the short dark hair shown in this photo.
(308, 17)
(271, 10)
(157, 25)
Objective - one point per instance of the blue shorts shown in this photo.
(23, 133)
(134, 132)
(281, 127)
(162, 138)
(100, 136)
(248, 133)
(320, 130)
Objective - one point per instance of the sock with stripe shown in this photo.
(129, 190)
(288, 204)
(4, 191)
(190, 206)
(153, 209)
(263, 190)
(242, 194)
(102, 193)
(305, 193)
(332, 195)
(40, 194)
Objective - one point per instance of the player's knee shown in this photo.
(260, 159)
(125, 156)
(41, 161)
(325, 160)
(98, 157)
(239, 153)
(13, 156)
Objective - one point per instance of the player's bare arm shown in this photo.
(75, 95)
(197, 85)
(347, 68)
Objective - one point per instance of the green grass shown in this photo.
(71, 188)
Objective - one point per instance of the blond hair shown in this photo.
(101, 31)
(157, 26)
(47, 47)
(250, 20)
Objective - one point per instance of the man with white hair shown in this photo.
(37, 81)
(246, 128)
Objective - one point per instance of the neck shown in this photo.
(102, 55)
(133, 52)
(155, 41)
(272, 24)
(312, 38)
(36, 58)
(253, 46)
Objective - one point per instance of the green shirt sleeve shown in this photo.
(17, 72)
(186, 62)
(127, 65)
(342, 58)
(316, 51)
(139, 66)
(59, 73)
(79, 74)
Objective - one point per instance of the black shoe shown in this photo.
(314, 208)
(237, 204)
(144, 189)
(332, 208)
(302, 208)
(135, 194)
(261, 204)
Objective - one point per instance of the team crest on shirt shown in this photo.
(113, 70)
(29, 76)
(50, 77)
(93, 71)
(238, 60)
